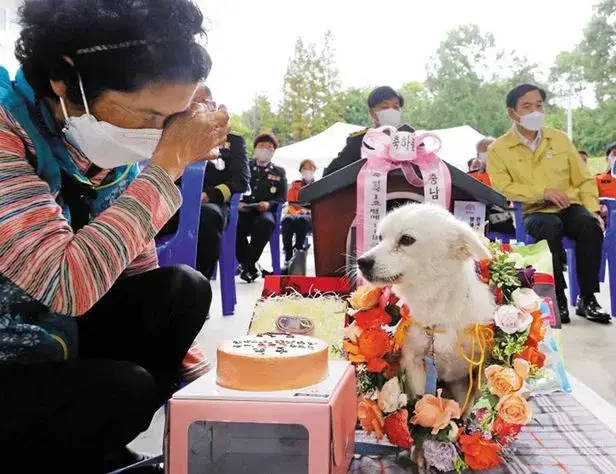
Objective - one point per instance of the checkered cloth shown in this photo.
(564, 437)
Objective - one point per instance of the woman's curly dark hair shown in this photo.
(168, 32)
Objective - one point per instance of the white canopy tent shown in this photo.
(458, 146)
(321, 148)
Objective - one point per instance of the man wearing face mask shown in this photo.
(297, 221)
(541, 168)
(385, 109)
(268, 190)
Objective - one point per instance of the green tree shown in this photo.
(598, 51)
(592, 65)
(416, 104)
(259, 118)
(468, 79)
(240, 127)
(356, 107)
(312, 97)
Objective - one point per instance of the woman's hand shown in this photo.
(190, 137)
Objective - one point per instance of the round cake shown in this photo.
(269, 362)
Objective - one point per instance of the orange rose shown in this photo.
(533, 355)
(374, 343)
(352, 351)
(505, 380)
(365, 297)
(372, 318)
(513, 408)
(484, 270)
(479, 453)
(370, 416)
(435, 412)
(537, 330)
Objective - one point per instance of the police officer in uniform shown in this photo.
(268, 190)
(227, 175)
(385, 109)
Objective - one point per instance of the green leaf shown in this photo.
(443, 435)
(460, 466)
(485, 401)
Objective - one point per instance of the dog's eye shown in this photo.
(380, 238)
(406, 240)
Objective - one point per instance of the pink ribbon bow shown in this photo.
(387, 149)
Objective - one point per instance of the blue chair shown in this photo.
(609, 250)
(181, 247)
(608, 256)
(227, 262)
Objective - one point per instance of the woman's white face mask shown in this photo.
(104, 144)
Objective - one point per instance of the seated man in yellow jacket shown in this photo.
(540, 167)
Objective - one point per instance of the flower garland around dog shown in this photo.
(374, 341)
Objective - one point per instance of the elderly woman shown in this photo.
(92, 333)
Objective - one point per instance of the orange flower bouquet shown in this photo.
(514, 358)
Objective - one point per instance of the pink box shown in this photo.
(310, 430)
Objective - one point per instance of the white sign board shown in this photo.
(471, 212)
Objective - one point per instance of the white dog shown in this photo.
(427, 255)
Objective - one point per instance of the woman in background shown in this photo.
(297, 221)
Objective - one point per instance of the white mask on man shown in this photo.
(391, 117)
(104, 144)
(263, 155)
(533, 121)
(483, 157)
(308, 176)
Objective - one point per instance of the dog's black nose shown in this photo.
(365, 264)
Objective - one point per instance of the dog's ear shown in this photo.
(468, 244)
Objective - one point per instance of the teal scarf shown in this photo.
(52, 158)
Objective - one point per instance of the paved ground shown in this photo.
(590, 349)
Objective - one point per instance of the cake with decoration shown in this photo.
(271, 361)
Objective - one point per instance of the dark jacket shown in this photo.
(219, 185)
(349, 154)
(267, 183)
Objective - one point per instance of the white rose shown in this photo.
(511, 320)
(526, 300)
(352, 332)
(389, 396)
(453, 433)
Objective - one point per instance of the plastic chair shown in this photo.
(227, 262)
(275, 241)
(568, 246)
(608, 251)
(181, 247)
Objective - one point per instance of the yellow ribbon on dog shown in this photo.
(481, 337)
